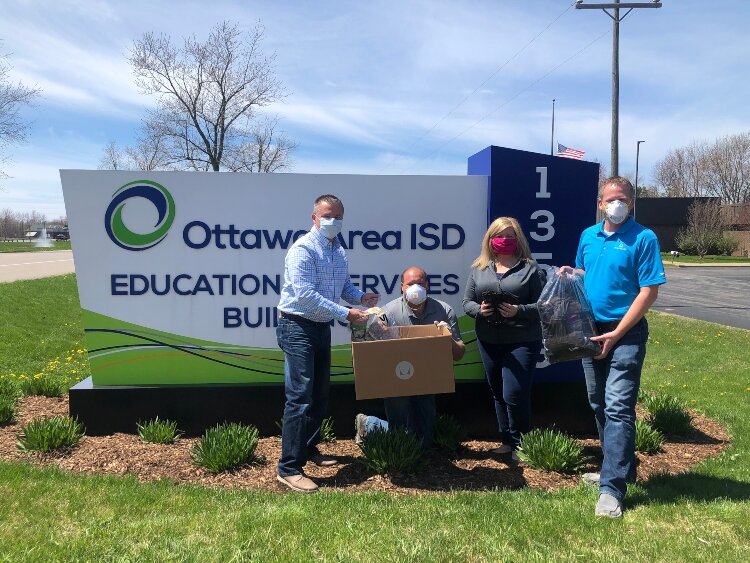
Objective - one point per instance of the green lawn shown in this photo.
(703, 515)
(682, 259)
(31, 247)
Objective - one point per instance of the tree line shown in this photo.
(708, 169)
(15, 224)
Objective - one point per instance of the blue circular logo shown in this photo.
(120, 234)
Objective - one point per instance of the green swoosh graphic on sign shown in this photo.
(122, 353)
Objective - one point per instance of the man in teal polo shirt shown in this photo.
(622, 271)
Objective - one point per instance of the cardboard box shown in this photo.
(420, 362)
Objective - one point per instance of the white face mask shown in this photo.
(415, 294)
(616, 211)
(330, 226)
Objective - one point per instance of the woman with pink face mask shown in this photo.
(501, 294)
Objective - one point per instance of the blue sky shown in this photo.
(385, 87)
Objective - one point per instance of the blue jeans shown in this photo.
(307, 373)
(612, 385)
(417, 414)
(509, 369)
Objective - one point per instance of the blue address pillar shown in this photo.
(554, 199)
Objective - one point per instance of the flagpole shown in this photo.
(552, 138)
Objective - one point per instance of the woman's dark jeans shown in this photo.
(509, 369)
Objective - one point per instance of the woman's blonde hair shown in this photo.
(497, 226)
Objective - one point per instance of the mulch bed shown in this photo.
(474, 468)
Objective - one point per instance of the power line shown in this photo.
(498, 108)
(497, 70)
(616, 19)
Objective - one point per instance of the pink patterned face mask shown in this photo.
(504, 245)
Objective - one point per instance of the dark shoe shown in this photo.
(503, 449)
(608, 506)
(360, 428)
(323, 460)
(298, 483)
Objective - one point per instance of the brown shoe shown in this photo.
(324, 460)
(298, 483)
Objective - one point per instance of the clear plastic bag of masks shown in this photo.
(376, 328)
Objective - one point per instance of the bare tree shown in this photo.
(269, 150)
(727, 164)
(148, 152)
(208, 92)
(682, 172)
(113, 158)
(7, 223)
(13, 97)
(704, 226)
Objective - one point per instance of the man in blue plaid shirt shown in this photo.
(316, 276)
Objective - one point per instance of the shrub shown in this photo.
(725, 246)
(326, 430)
(648, 440)
(47, 434)
(45, 385)
(392, 451)
(668, 414)
(9, 387)
(158, 431)
(449, 434)
(550, 449)
(226, 446)
(7, 409)
(714, 244)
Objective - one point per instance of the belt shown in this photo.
(607, 326)
(298, 318)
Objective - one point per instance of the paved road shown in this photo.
(717, 294)
(29, 265)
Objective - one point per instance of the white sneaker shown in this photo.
(360, 428)
(590, 479)
(608, 506)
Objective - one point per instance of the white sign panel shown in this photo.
(179, 273)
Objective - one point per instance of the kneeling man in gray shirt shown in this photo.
(417, 413)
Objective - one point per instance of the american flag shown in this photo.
(567, 152)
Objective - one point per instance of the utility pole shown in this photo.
(616, 19)
(637, 156)
(552, 138)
